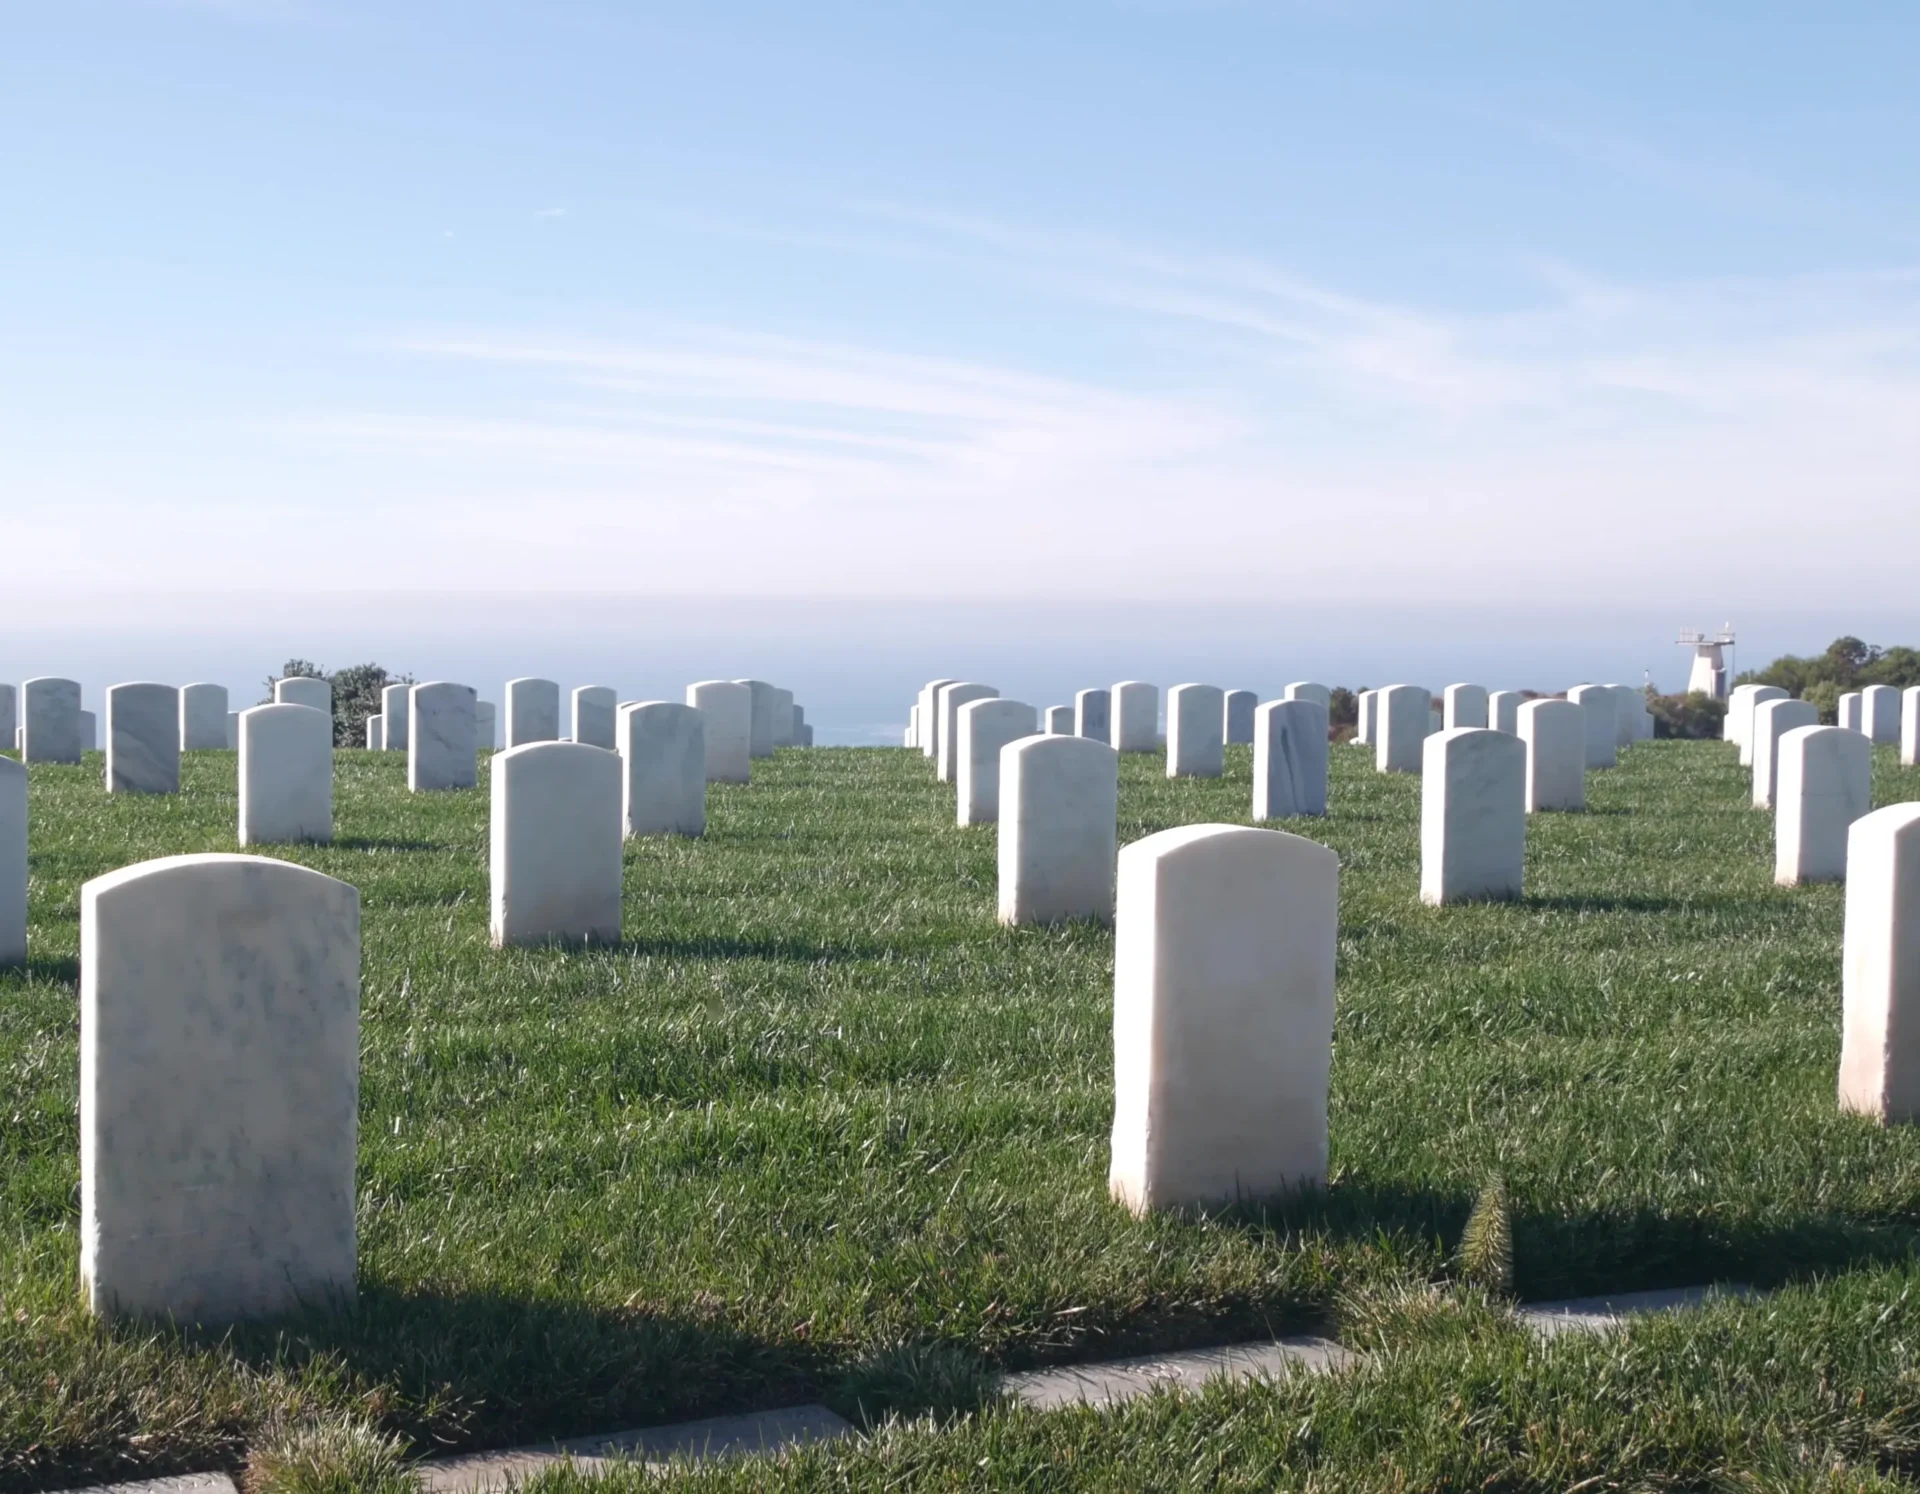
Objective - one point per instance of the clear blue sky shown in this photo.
(1530, 301)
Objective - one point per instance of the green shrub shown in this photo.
(1695, 714)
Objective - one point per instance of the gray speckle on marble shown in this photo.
(554, 857)
(443, 737)
(143, 739)
(393, 708)
(1059, 831)
(1093, 714)
(1196, 725)
(285, 775)
(593, 715)
(1290, 759)
(1238, 725)
(981, 729)
(50, 720)
(1473, 816)
(663, 758)
(203, 718)
(302, 690)
(533, 711)
(1402, 721)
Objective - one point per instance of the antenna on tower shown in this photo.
(1710, 672)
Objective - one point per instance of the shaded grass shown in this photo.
(817, 1106)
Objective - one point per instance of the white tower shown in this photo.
(1709, 675)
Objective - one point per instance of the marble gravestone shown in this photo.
(1880, 714)
(1365, 708)
(143, 739)
(302, 690)
(593, 712)
(1602, 709)
(928, 739)
(1134, 717)
(1059, 815)
(1309, 690)
(1823, 782)
(1290, 759)
(1196, 716)
(1744, 708)
(1402, 718)
(802, 732)
(1772, 720)
(485, 722)
(1910, 727)
(663, 758)
(533, 712)
(1060, 721)
(232, 725)
(1464, 705)
(443, 742)
(760, 721)
(1223, 964)
(726, 718)
(1473, 816)
(219, 1088)
(947, 710)
(911, 737)
(286, 775)
(9, 715)
(1849, 710)
(376, 733)
(554, 858)
(981, 729)
(1880, 1001)
(393, 713)
(1436, 719)
(50, 721)
(1630, 705)
(89, 732)
(1237, 727)
(1093, 715)
(13, 863)
(1503, 711)
(783, 720)
(203, 718)
(1554, 733)
(1730, 723)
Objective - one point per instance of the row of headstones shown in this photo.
(1880, 713)
(219, 1029)
(44, 722)
(559, 810)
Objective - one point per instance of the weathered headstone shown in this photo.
(444, 738)
(947, 706)
(1473, 816)
(760, 721)
(301, 690)
(1059, 811)
(203, 717)
(1732, 724)
(1402, 721)
(50, 720)
(1823, 782)
(1464, 705)
(376, 733)
(143, 739)
(393, 711)
(554, 858)
(726, 710)
(1093, 715)
(1134, 719)
(1289, 759)
(219, 1088)
(1880, 1029)
(981, 729)
(1880, 714)
(1772, 720)
(13, 863)
(1060, 721)
(1503, 711)
(1554, 733)
(1196, 715)
(1849, 710)
(533, 712)
(663, 755)
(1602, 709)
(1223, 1016)
(286, 775)
(1309, 690)
(1238, 723)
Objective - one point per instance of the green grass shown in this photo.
(819, 1117)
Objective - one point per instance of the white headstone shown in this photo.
(593, 711)
(1734, 721)
(1772, 720)
(1134, 717)
(802, 732)
(299, 690)
(1289, 759)
(143, 739)
(232, 728)
(203, 717)
(1910, 727)
(1464, 705)
(1223, 1016)
(9, 713)
(444, 740)
(1629, 706)
(783, 720)
(1880, 1030)
(1850, 710)
(1473, 816)
(1745, 705)
(1603, 722)
(485, 726)
(1240, 706)
(219, 1088)
(1060, 721)
(726, 710)
(1366, 706)
(89, 732)
(554, 856)
(1309, 690)
(286, 775)
(1196, 715)
(1093, 715)
(981, 729)
(663, 757)
(533, 712)
(760, 724)
(1402, 722)
(929, 741)
(13, 863)
(1554, 733)
(1880, 714)
(911, 737)
(1823, 782)
(1059, 812)
(1503, 711)
(947, 705)
(393, 708)
(376, 733)
(50, 721)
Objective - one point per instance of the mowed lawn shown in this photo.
(818, 1109)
